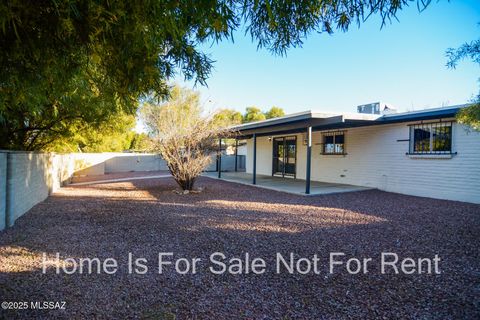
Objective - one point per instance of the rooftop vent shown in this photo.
(376, 108)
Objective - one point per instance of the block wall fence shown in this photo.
(27, 178)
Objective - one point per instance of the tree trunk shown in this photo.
(186, 184)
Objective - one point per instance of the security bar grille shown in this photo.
(431, 138)
(333, 142)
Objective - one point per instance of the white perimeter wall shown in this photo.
(88, 164)
(376, 159)
(27, 178)
(3, 190)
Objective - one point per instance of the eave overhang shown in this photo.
(299, 122)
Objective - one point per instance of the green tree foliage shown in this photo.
(465, 51)
(253, 114)
(274, 112)
(68, 61)
(228, 117)
(31, 120)
(114, 135)
(141, 142)
(470, 115)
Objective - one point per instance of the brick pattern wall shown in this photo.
(27, 178)
(3, 190)
(90, 164)
(376, 157)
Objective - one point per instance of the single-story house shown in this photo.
(423, 153)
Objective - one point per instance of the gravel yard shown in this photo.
(145, 217)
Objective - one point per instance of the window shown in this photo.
(334, 143)
(431, 138)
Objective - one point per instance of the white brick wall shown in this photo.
(375, 159)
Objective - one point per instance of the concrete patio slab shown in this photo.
(289, 185)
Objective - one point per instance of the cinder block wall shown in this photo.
(90, 164)
(3, 190)
(27, 178)
(126, 162)
(228, 163)
(29, 181)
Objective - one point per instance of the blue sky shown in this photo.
(402, 64)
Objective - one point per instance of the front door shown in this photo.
(284, 156)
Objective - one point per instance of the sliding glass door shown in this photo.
(284, 156)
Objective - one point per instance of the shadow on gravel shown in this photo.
(144, 217)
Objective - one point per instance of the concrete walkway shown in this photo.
(118, 177)
(118, 180)
(289, 185)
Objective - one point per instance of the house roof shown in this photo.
(433, 113)
(298, 122)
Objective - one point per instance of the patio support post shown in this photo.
(254, 158)
(236, 154)
(309, 160)
(219, 161)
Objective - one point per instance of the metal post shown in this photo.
(236, 154)
(219, 158)
(309, 160)
(254, 158)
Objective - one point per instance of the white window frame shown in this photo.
(430, 126)
(334, 134)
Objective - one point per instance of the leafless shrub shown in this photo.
(183, 134)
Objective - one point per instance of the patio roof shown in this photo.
(298, 122)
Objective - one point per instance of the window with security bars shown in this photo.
(334, 143)
(431, 138)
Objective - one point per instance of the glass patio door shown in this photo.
(284, 156)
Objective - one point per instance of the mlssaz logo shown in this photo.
(48, 305)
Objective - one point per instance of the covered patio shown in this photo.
(284, 158)
(287, 184)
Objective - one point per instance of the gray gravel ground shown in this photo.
(144, 217)
(118, 175)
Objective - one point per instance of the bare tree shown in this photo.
(183, 134)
